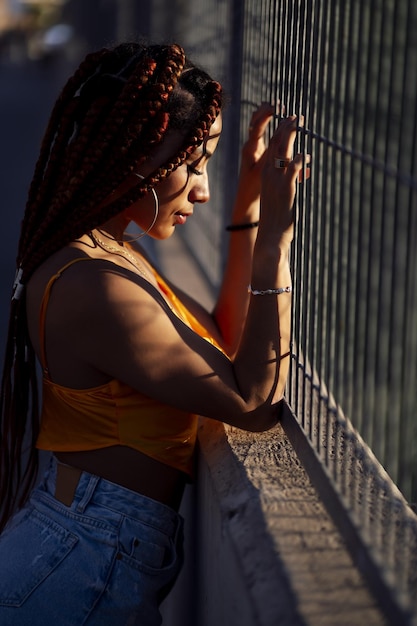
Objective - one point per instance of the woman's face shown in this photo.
(178, 193)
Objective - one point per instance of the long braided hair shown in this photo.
(112, 112)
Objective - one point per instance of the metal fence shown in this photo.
(350, 66)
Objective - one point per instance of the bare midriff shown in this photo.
(131, 469)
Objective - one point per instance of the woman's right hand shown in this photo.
(279, 183)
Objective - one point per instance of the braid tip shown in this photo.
(18, 285)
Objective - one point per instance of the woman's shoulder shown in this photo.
(75, 268)
(68, 265)
(73, 282)
(77, 302)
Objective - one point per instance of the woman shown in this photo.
(128, 359)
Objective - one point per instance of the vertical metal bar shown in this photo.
(309, 33)
(376, 220)
(336, 294)
(347, 175)
(408, 429)
(359, 219)
(398, 304)
(385, 239)
(302, 231)
(313, 253)
(323, 216)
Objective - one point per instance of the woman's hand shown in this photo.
(253, 155)
(279, 176)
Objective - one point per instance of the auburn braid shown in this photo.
(153, 96)
(146, 125)
(99, 137)
(53, 143)
(19, 414)
(117, 107)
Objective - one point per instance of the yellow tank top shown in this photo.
(114, 413)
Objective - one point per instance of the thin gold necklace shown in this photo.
(120, 252)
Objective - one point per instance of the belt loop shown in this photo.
(88, 494)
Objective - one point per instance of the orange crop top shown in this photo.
(114, 413)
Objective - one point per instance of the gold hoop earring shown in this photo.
(145, 232)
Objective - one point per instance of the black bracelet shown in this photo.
(242, 226)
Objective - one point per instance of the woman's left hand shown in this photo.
(253, 154)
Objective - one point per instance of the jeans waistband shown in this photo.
(91, 489)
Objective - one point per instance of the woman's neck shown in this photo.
(115, 228)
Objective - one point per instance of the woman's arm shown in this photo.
(270, 270)
(233, 300)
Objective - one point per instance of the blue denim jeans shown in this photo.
(108, 559)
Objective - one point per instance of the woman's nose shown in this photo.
(200, 191)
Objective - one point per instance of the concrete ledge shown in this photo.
(291, 562)
(262, 550)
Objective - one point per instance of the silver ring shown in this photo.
(281, 163)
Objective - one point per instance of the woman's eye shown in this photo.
(193, 170)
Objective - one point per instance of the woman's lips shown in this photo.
(181, 218)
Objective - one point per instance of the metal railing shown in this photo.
(350, 66)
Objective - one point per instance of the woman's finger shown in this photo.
(260, 120)
(304, 171)
(282, 142)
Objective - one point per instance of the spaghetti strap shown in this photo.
(44, 305)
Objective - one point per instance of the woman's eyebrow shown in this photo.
(206, 152)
